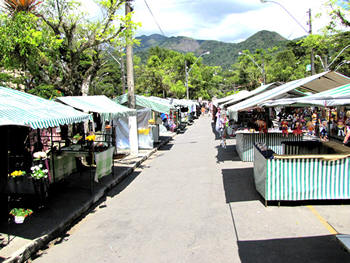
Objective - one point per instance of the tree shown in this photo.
(27, 51)
(80, 51)
(60, 47)
(339, 12)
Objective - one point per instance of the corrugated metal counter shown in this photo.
(316, 176)
(245, 142)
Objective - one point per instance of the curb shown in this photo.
(25, 253)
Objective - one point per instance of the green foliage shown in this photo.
(27, 49)
(60, 49)
(45, 91)
(339, 13)
(178, 89)
(221, 53)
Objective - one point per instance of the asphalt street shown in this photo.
(194, 201)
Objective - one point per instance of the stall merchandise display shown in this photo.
(305, 171)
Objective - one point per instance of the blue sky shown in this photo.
(226, 20)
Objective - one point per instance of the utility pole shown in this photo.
(133, 135)
(186, 81)
(129, 64)
(263, 69)
(312, 59)
(122, 67)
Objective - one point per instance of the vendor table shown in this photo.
(64, 163)
(245, 142)
(315, 176)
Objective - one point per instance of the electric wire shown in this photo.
(155, 20)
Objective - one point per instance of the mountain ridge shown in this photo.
(221, 53)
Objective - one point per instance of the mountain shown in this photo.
(221, 53)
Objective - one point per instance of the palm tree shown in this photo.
(14, 6)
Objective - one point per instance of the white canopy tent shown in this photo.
(316, 83)
(241, 93)
(333, 97)
(242, 96)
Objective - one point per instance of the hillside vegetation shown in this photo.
(221, 53)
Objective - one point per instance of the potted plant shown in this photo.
(77, 138)
(18, 182)
(11, 182)
(39, 176)
(20, 214)
(90, 140)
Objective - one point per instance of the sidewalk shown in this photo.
(68, 202)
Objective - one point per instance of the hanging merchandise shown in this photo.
(298, 129)
(340, 127)
(324, 131)
(284, 128)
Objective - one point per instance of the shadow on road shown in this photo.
(166, 147)
(123, 184)
(293, 250)
(217, 136)
(239, 185)
(227, 154)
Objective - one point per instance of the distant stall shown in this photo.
(148, 112)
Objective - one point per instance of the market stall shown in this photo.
(186, 111)
(106, 114)
(304, 171)
(149, 110)
(246, 95)
(309, 170)
(24, 118)
(273, 136)
(245, 141)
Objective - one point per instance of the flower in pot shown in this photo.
(19, 183)
(17, 173)
(91, 137)
(40, 155)
(20, 214)
(38, 172)
(90, 140)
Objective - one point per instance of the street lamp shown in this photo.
(323, 66)
(341, 64)
(327, 66)
(121, 64)
(306, 30)
(261, 68)
(188, 72)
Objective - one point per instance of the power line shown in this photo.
(155, 20)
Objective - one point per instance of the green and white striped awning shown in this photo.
(19, 108)
(147, 102)
(333, 97)
(107, 108)
(240, 97)
(316, 83)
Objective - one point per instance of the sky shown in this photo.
(227, 20)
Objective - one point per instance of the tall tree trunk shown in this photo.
(85, 86)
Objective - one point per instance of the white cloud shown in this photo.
(243, 20)
(224, 20)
